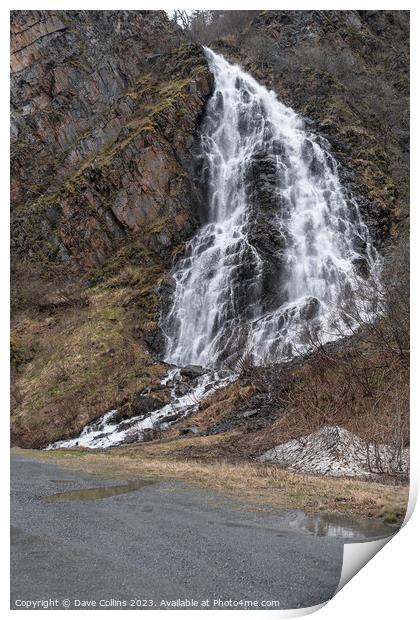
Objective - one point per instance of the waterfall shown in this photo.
(282, 246)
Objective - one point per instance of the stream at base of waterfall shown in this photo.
(107, 432)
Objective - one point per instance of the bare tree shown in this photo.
(356, 376)
(183, 18)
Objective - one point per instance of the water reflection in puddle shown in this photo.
(319, 524)
(339, 526)
(334, 526)
(97, 492)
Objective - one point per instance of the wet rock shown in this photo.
(133, 437)
(171, 417)
(362, 267)
(310, 309)
(142, 405)
(251, 413)
(154, 339)
(190, 430)
(124, 412)
(181, 389)
(193, 371)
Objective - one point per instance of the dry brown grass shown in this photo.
(258, 484)
(330, 391)
(323, 392)
(84, 361)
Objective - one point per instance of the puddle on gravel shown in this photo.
(97, 492)
(339, 526)
(322, 524)
(62, 481)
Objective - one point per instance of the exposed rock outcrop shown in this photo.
(104, 108)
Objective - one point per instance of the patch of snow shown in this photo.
(334, 451)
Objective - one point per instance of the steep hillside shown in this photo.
(104, 110)
(104, 107)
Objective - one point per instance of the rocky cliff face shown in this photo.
(105, 105)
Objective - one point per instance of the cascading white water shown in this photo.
(282, 244)
(281, 248)
(107, 431)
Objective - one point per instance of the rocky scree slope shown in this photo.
(105, 105)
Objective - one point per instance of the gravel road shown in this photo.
(161, 545)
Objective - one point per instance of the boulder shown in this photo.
(190, 430)
(171, 417)
(142, 404)
(181, 389)
(250, 413)
(193, 371)
(122, 413)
